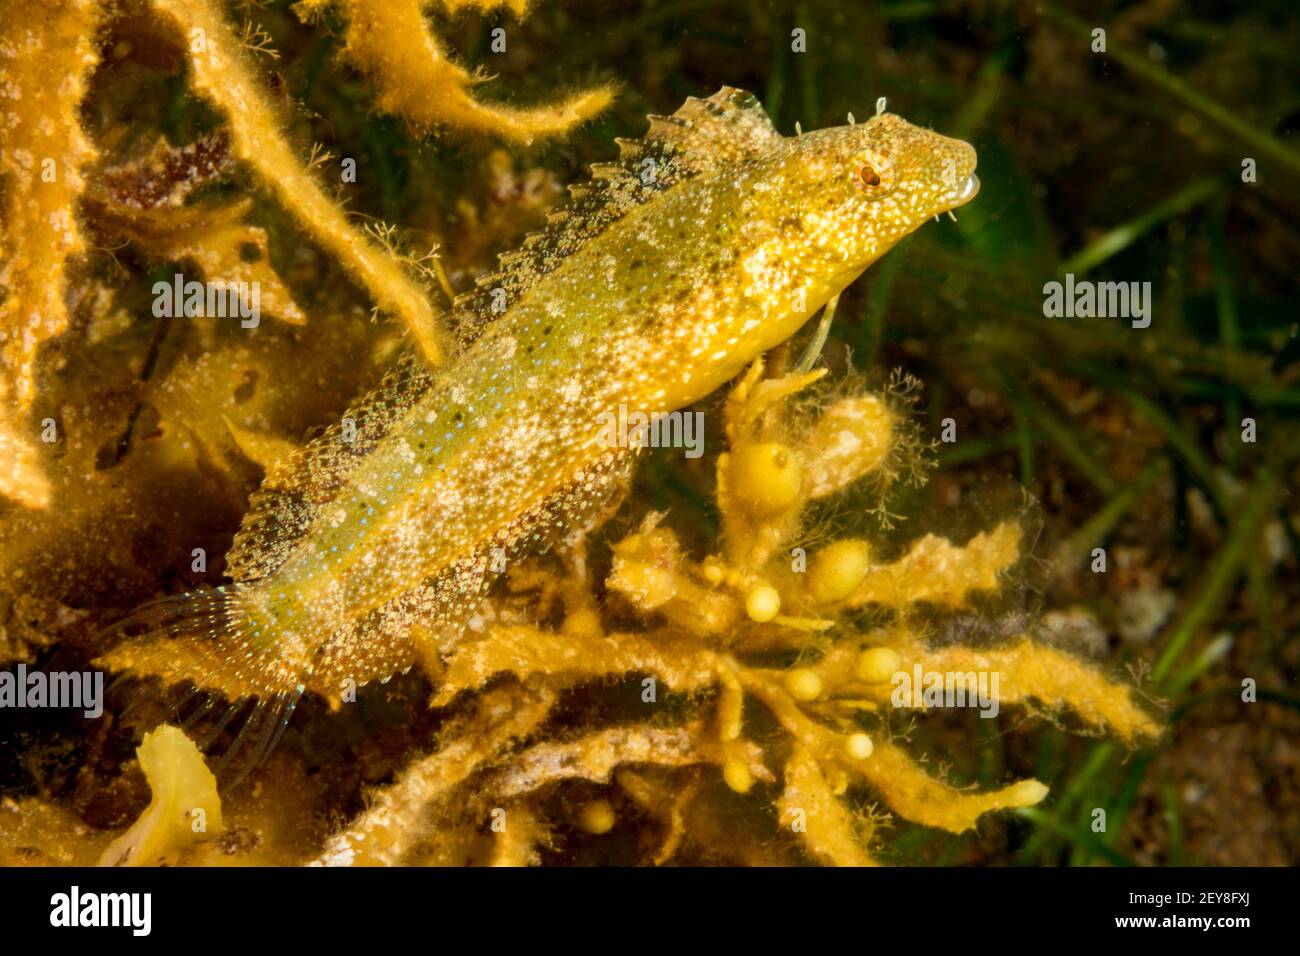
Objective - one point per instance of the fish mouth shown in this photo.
(968, 190)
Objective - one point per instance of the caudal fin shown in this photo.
(200, 661)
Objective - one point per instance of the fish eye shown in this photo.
(868, 176)
(873, 174)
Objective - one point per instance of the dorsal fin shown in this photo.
(281, 510)
(702, 136)
(730, 126)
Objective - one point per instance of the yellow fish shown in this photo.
(712, 240)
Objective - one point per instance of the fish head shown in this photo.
(859, 189)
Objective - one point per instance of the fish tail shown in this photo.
(202, 661)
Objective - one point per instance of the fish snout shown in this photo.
(959, 173)
(969, 189)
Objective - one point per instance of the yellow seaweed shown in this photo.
(46, 54)
(809, 806)
(416, 80)
(184, 810)
(220, 71)
(225, 249)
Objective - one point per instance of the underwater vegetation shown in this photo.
(943, 565)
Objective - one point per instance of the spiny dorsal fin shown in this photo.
(702, 136)
(728, 127)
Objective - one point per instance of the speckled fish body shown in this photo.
(713, 240)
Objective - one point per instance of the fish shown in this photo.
(711, 240)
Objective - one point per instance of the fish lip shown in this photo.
(969, 190)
